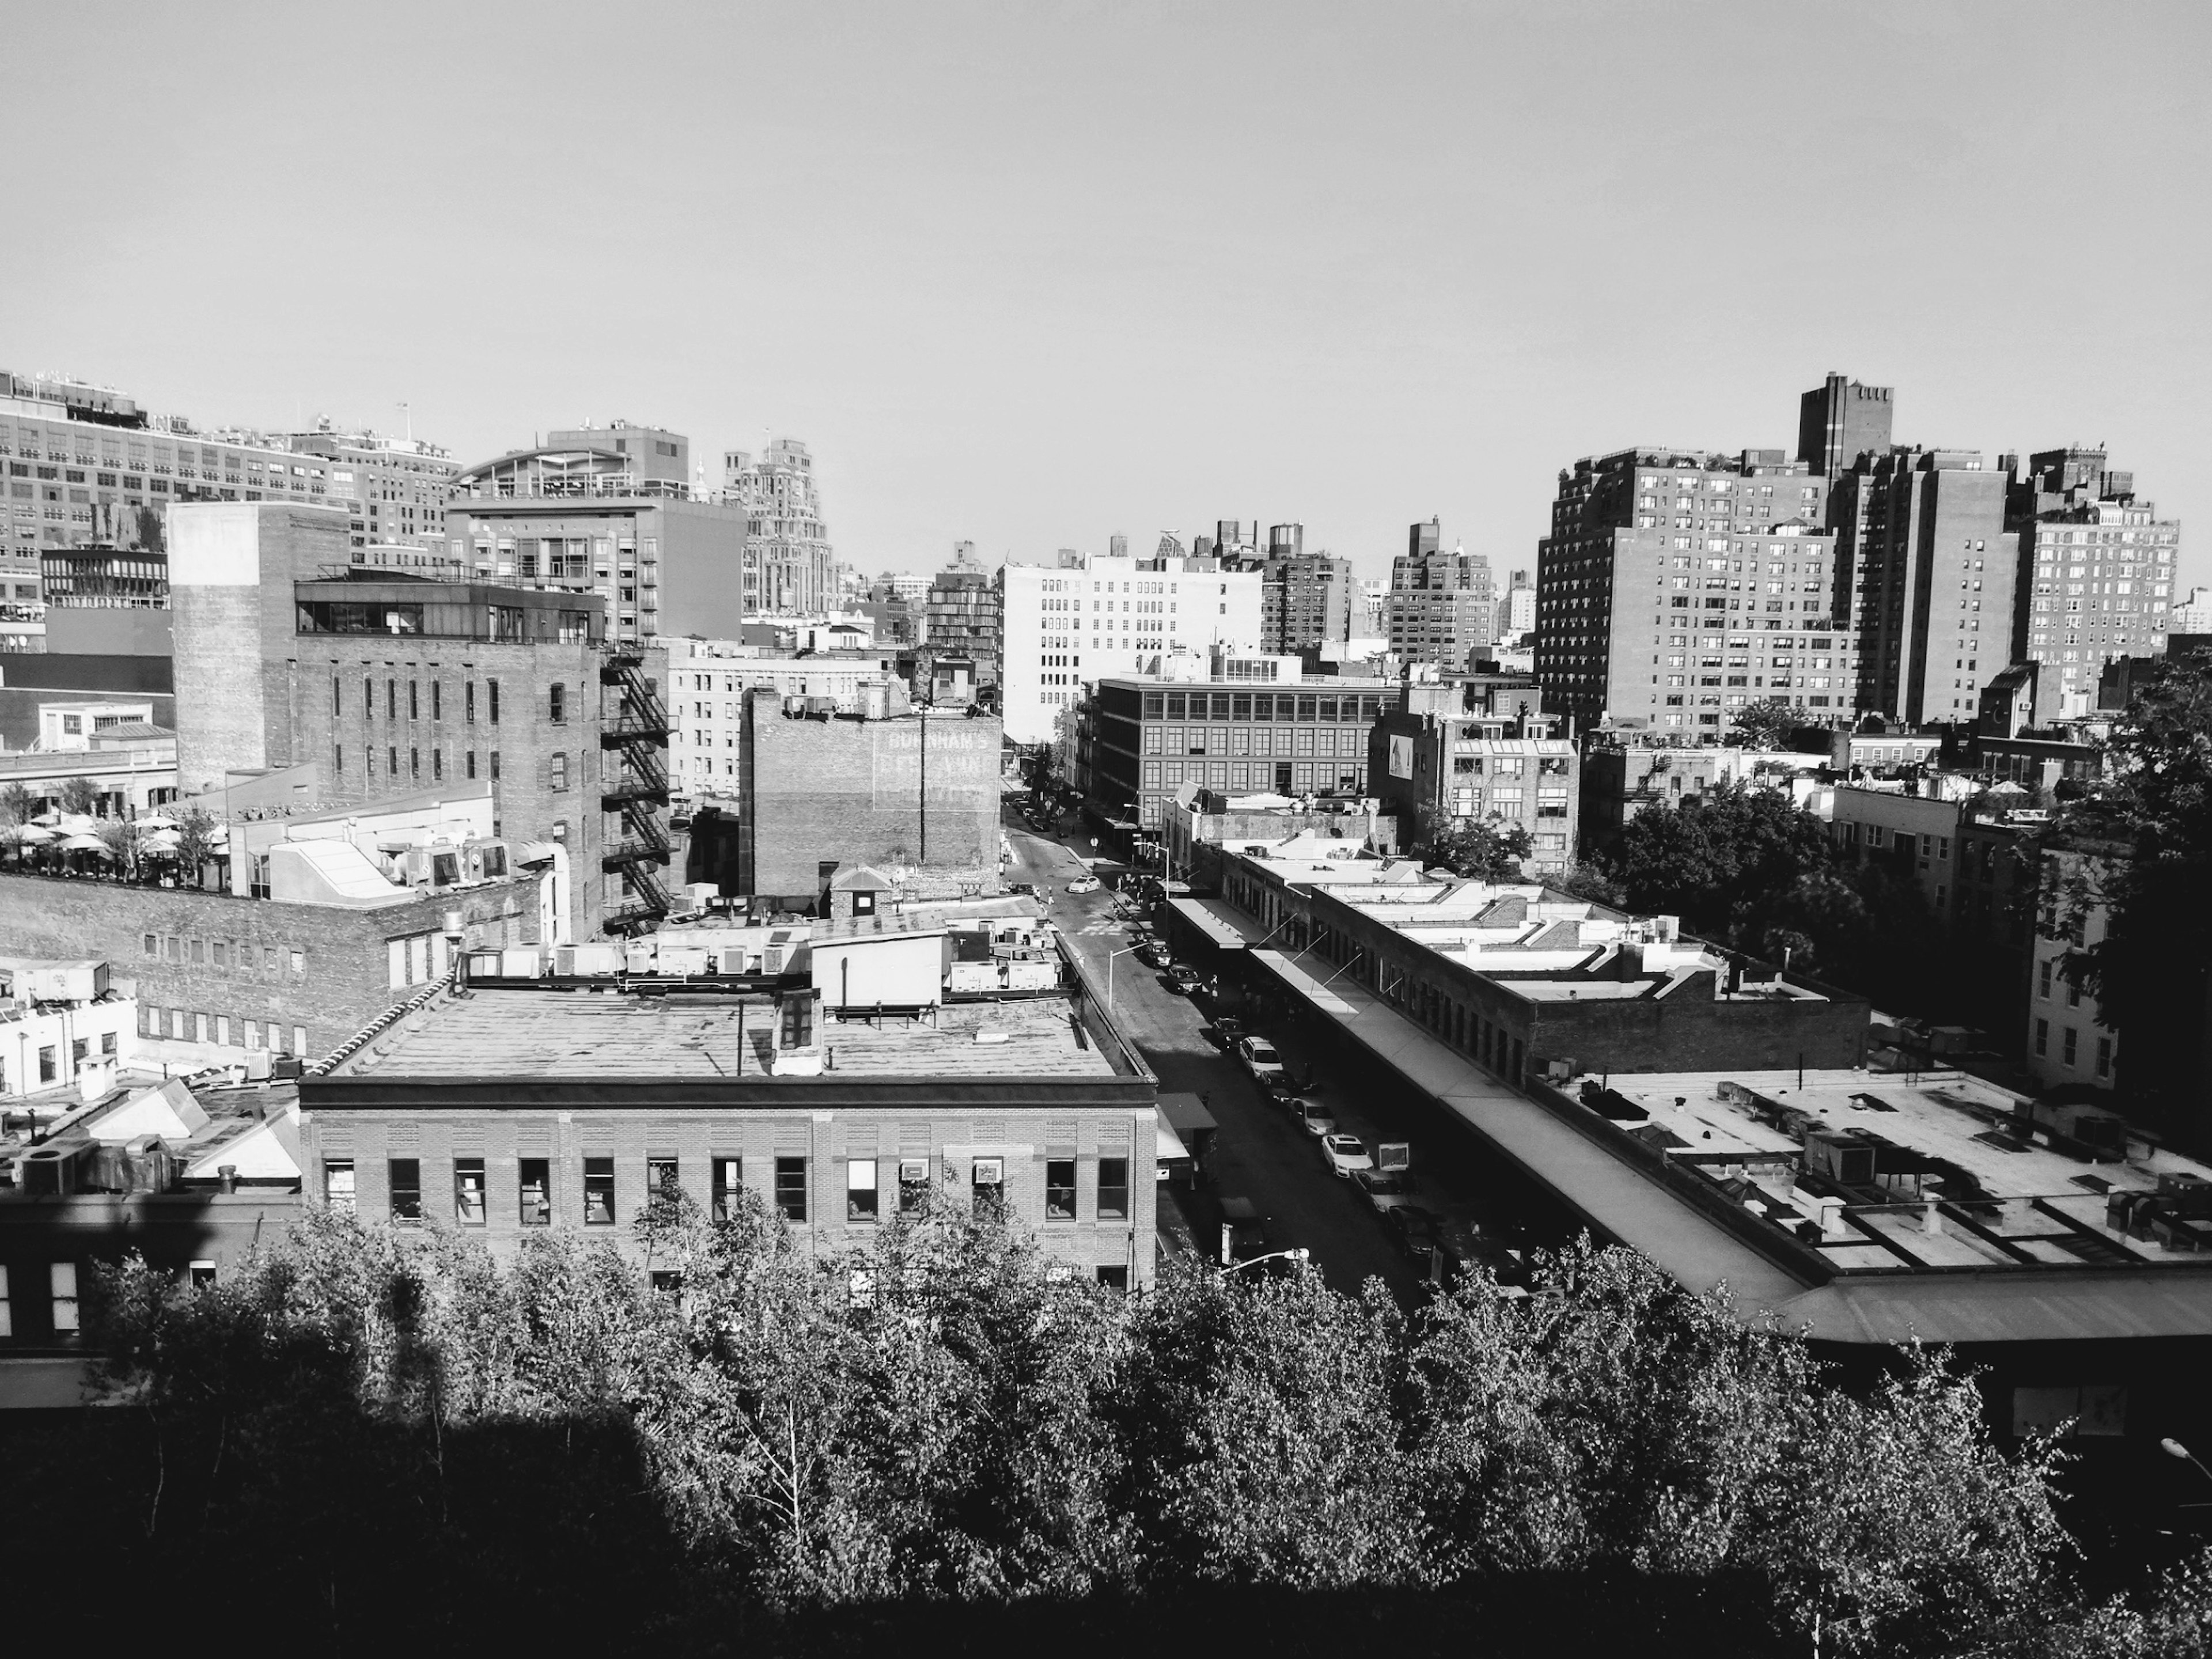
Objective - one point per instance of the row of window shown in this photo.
(1259, 706)
(367, 756)
(183, 1025)
(472, 1200)
(49, 1060)
(241, 954)
(2070, 1047)
(557, 700)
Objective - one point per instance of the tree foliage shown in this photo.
(1469, 847)
(940, 1417)
(1766, 724)
(2151, 834)
(79, 795)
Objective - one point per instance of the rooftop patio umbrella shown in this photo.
(155, 821)
(81, 844)
(48, 818)
(162, 841)
(30, 834)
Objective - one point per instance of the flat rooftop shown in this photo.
(2002, 1191)
(601, 1036)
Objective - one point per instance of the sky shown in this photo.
(1029, 275)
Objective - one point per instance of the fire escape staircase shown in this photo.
(635, 785)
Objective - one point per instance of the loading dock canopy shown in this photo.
(1213, 921)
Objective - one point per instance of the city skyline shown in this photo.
(1408, 251)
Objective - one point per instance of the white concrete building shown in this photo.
(707, 680)
(1073, 623)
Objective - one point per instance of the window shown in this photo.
(990, 1186)
(1113, 1188)
(2073, 995)
(491, 708)
(860, 1190)
(725, 1174)
(557, 708)
(791, 1187)
(2070, 1047)
(469, 1191)
(2043, 1037)
(2043, 979)
(796, 1022)
(560, 774)
(1113, 1279)
(663, 1180)
(2103, 1056)
(537, 1191)
(1060, 1189)
(469, 703)
(913, 1185)
(61, 1280)
(598, 1191)
(337, 1183)
(406, 1181)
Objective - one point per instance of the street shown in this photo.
(1261, 1154)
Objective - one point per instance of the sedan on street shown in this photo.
(1385, 1190)
(1084, 885)
(1184, 978)
(1261, 1060)
(1345, 1155)
(1316, 1117)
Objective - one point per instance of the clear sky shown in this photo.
(1028, 275)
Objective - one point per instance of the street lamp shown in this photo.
(2174, 1447)
(1110, 954)
(1301, 1256)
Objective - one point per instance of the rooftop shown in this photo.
(1881, 1174)
(601, 1035)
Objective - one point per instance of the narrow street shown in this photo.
(1261, 1154)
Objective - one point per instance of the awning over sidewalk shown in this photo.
(1215, 922)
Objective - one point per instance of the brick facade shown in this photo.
(294, 968)
(919, 792)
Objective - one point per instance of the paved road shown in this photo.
(1261, 1153)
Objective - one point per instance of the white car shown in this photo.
(1084, 885)
(1261, 1060)
(1318, 1118)
(1345, 1155)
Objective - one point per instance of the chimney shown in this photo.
(226, 1177)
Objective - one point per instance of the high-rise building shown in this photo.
(90, 466)
(1305, 598)
(1071, 624)
(1677, 587)
(1442, 606)
(962, 616)
(1521, 605)
(2095, 576)
(1924, 574)
(1372, 621)
(789, 566)
(607, 511)
(2192, 615)
(1841, 420)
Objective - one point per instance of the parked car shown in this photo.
(1415, 1231)
(1345, 1155)
(1152, 953)
(1465, 1249)
(1261, 1060)
(1228, 1031)
(1316, 1117)
(1385, 1190)
(1084, 885)
(1183, 979)
(1026, 889)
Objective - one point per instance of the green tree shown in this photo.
(1724, 861)
(195, 841)
(1487, 851)
(79, 795)
(2155, 819)
(1764, 725)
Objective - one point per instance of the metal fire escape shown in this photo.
(635, 783)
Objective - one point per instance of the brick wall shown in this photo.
(433, 685)
(853, 792)
(1025, 1140)
(290, 965)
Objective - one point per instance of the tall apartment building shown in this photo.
(1924, 579)
(1520, 606)
(1076, 622)
(609, 512)
(961, 616)
(1305, 598)
(88, 467)
(1371, 620)
(1441, 607)
(2096, 579)
(2193, 614)
(789, 565)
(1677, 587)
(1841, 420)
(388, 682)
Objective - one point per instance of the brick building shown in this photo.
(1147, 739)
(1475, 749)
(1442, 606)
(1617, 780)
(916, 792)
(1305, 598)
(515, 1107)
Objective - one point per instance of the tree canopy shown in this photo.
(2149, 836)
(411, 1440)
(1469, 847)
